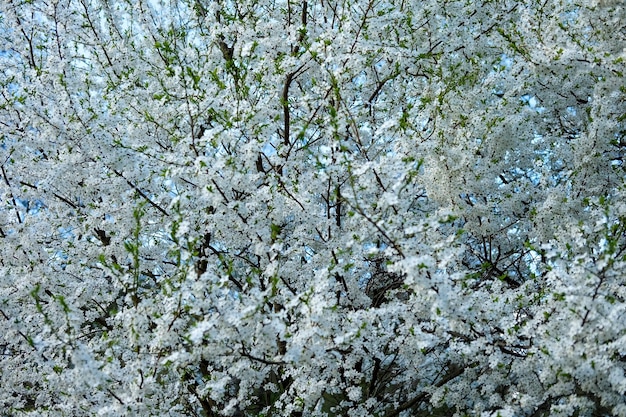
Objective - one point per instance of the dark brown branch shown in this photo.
(115, 396)
(282, 185)
(189, 182)
(393, 244)
(338, 207)
(31, 57)
(424, 396)
(6, 180)
(372, 384)
(65, 200)
(95, 32)
(285, 103)
(28, 185)
(508, 351)
(220, 191)
(244, 352)
(220, 256)
(141, 193)
(380, 85)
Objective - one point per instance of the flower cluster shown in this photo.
(278, 208)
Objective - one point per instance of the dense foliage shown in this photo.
(318, 208)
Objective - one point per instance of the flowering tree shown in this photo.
(318, 208)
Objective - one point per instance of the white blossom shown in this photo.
(312, 208)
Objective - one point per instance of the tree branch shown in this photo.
(141, 193)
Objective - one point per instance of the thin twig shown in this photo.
(141, 193)
(6, 180)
